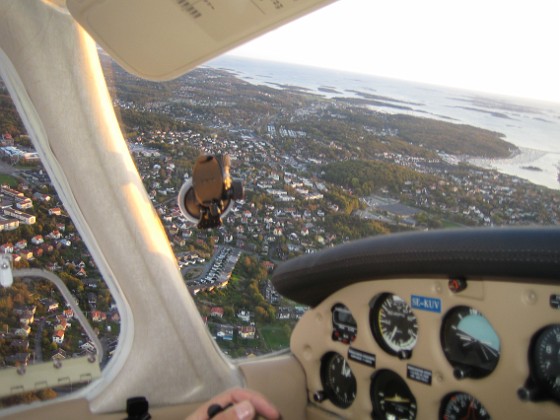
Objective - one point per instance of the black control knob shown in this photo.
(319, 396)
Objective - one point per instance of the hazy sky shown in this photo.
(501, 46)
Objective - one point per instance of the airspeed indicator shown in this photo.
(394, 325)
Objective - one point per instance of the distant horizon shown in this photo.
(475, 45)
(388, 77)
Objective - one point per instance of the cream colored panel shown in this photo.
(281, 379)
(515, 310)
(162, 39)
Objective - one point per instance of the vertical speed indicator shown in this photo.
(394, 325)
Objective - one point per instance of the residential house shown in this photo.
(50, 304)
(41, 197)
(26, 318)
(37, 240)
(88, 347)
(8, 224)
(90, 283)
(270, 293)
(7, 248)
(58, 336)
(268, 265)
(6, 190)
(98, 316)
(244, 316)
(217, 311)
(26, 254)
(53, 266)
(62, 323)
(59, 355)
(81, 272)
(55, 234)
(247, 331)
(283, 313)
(24, 204)
(28, 219)
(225, 332)
(23, 331)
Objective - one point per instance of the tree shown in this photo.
(47, 394)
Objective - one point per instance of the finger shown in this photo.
(258, 401)
(236, 395)
(243, 410)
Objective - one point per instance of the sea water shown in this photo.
(532, 126)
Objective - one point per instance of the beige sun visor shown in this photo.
(163, 39)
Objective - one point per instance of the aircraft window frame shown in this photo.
(47, 254)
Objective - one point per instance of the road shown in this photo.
(53, 278)
(38, 340)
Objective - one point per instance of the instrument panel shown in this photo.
(433, 348)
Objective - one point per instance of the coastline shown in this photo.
(537, 166)
(531, 126)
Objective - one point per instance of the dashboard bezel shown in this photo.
(516, 309)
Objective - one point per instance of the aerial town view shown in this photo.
(318, 170)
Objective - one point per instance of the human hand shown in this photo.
(237, 404)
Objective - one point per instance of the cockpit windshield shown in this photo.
(327, 156)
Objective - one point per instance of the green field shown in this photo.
(9, 180)
(275, 336)
(450, 224)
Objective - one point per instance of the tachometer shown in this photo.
(393, 325)
(469, 342)
(545, 360)
(460, 405)
(391, 397)
(339, 383)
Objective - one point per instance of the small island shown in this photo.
(532, 168)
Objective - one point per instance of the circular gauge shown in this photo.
(394, 325)
(459, 405)
(339, 383)
(545, 360)
(391, 397)
(469, 342)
